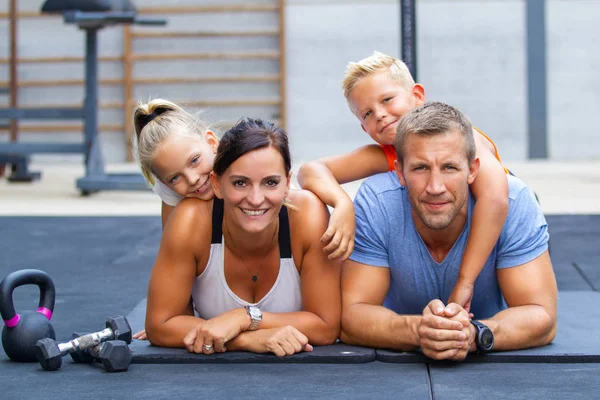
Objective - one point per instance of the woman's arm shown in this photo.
(490, 190)
(187, 233)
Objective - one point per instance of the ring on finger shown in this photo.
(208, 347)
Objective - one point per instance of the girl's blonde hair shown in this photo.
(155, 122)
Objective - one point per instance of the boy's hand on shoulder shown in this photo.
(339, 237)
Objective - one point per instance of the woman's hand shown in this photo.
(340, 232)
(211, 335)
(279, 341)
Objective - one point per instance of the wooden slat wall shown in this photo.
(129, 58)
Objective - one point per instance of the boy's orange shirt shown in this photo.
(390, 152)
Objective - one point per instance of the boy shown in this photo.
(380, 90)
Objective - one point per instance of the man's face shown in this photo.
(437, 175)
(379, 102)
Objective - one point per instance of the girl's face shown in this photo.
(184, 163)
(254, 186)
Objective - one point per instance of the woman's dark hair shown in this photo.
(247, 135)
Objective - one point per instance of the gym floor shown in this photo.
(99, 252)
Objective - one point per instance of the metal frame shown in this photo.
(95, 178)
(408, 35)
(537, 115)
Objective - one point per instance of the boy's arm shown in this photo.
(323, 177)
(490, 189)
(358, 164)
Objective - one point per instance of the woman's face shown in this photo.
(184, 163)
(253, 188)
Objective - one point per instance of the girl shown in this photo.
(176, 151)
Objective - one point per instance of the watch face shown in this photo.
(255, 312)
(486, 339)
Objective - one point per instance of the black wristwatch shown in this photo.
(484, 338)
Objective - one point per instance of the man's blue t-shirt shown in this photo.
(386, 237)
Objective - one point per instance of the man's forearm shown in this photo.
(376, 326)
(522, 327)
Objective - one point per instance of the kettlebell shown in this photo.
(21, 332)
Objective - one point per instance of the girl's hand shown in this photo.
(339, 236)
(141, 335)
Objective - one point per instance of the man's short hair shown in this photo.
(377, 62)
(434, 118)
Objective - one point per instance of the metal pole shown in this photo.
(93, 158)
(14, 127)
(536, 79)
(409, 35)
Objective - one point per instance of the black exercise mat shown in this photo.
(574, 250)
(576, 339)
(144, 353)
(590, 270)
(218, 381)
(515, 381)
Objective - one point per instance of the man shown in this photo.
(412, 230)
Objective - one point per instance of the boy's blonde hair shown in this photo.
(156, 121)
(377, 62)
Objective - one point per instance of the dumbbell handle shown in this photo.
(86, 341)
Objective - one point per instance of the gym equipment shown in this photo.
(22, 331)
(408, 35)
(90, 16)
(50, 353)
(114, 355)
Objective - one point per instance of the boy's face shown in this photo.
(379, 102)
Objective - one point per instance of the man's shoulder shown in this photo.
(515, 187)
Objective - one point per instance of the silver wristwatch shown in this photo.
(255, 317)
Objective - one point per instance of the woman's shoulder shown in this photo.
(304, 201)
(307, 211)
(189, 219)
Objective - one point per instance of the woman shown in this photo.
(259, 278)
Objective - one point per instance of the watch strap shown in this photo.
(479, 326)
(254, 320)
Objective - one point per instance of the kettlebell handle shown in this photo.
(20, 278)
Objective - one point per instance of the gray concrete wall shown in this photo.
(471, 53)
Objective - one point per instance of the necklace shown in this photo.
(254, 277)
